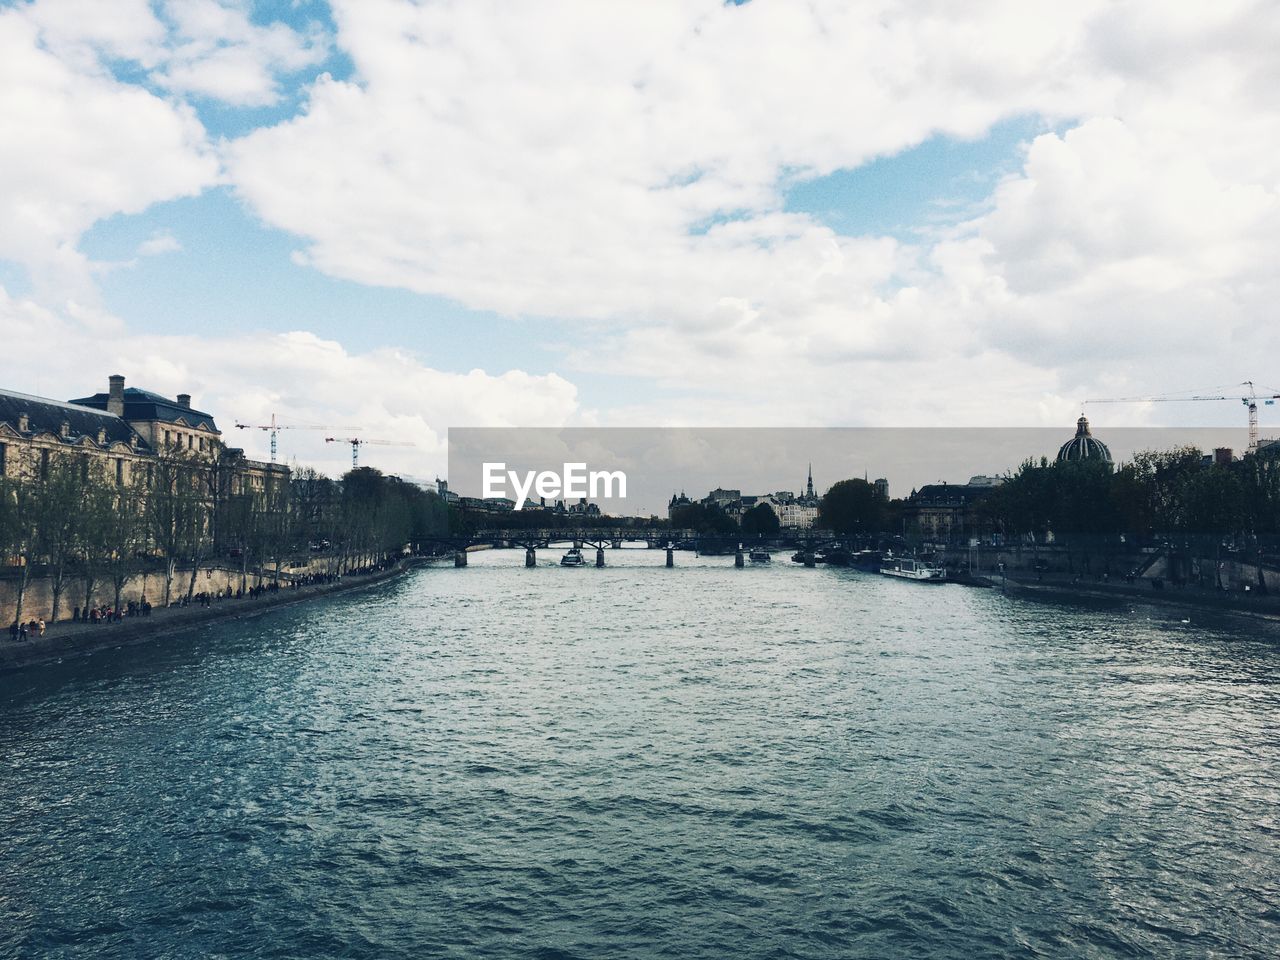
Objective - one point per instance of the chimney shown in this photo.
(115, 395)
(184, 401)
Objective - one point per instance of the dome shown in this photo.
(1083, 446)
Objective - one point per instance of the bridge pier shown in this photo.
(599, 556)
(616, 543)
(460, 558)
(738, 560)
(809, 559)
(530, 557)
(671, 557)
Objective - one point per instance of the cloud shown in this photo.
(381, 394)
(216, 51)
(89, 147)
(623, 168)
(158, 243)
(620, 171)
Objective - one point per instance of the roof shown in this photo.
(48, 416)
(949, 494)
(1084, 446)
(145, 405)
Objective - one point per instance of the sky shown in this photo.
(386, 218)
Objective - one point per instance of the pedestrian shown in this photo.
(13, 631)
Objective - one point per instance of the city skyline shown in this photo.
(406, 219)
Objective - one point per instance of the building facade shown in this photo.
(122, 434)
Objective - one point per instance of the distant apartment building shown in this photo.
(796, 513)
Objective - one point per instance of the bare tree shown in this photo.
(122, 527)
(59, 519)
(19, 525)
(175, 514)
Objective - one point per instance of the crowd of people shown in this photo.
(22, 631)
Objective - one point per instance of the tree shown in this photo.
(59, 520)
(97, 535)
(123, 531)
(703, 518)
(760, 520)
(19, 525)
(175, 512)
(853, 506)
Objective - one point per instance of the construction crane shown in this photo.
(358, 442)
(1250, 400)
(273, 428)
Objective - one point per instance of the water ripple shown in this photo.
(636, 762)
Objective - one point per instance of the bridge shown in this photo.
(654, 537)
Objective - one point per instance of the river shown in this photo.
(640, 762)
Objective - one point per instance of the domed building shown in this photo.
(1084, 446)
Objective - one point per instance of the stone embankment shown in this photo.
(1144, 591)
(66, 639)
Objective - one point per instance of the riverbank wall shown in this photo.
(1151, 577)
(1144, 592)
(66, 640)
(149, 584)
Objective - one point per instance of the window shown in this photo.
(4, 451)
(190, 441)
(44, 464)
(119, 473)
(168, 439)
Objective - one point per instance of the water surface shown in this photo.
(641, 762)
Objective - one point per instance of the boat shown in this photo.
(906, 568)
(869, 561)
(834, 555)
(759, 555)
(573, 558)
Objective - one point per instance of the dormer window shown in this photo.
(24, 423)
(64, 430)
(102, 436)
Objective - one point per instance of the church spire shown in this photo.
(809, 486)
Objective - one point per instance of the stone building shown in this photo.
(125, 431)
(947, 512)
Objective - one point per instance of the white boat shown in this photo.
(573, 558)
(907, 568)
(759, 555)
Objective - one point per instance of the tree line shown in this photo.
(1176, 497)
(71, 519)
(1195, 506)
(712, 519)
